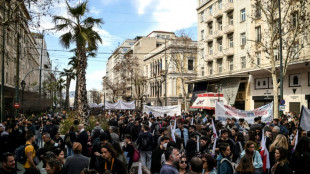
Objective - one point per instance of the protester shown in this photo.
(83, 139)
(157, 153)
(53, 166)
(223, 160)
(281, 165)
(301, 156)
(145, 142)
(129, 149)
(183, 166)
(245, 165)
(249, 149)
(209, 164)
(280, 141)
(77, 162)
(172, 156)
(7, 163)
(30, 152)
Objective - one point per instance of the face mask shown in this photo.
(165, 145)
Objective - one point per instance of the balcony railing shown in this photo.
(229, 29)
(228, 7)
(218, 33)
(209, 37)
(209, 18)
(229, 51)
(218, 12)
(218, 54)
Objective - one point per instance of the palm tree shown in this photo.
(60, 87)
(69, 74)
(86, 39)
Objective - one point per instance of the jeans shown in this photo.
(146, 158)
(69, 151)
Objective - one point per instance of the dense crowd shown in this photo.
(138, 142)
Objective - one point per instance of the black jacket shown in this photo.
(118, 167)
(156, 158)
(150, 140)
(83, 138)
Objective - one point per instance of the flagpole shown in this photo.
(302, 109)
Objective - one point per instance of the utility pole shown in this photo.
(166, 72)
(280, 54)
(17, 72)
(2, 61)
(40, 76)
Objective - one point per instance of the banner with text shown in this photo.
(224, 111)
(120, 105)
(159, 111)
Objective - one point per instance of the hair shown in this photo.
(283, 155)
(57, 151)
(164, 138)
(146, 127)
(169, 152)
(245, 165)
(224, 131)
(32, 170)
(29, 135)
(110, 149)
(135, 170)
(240, 136)
(117, 148)
(72, 129)
(54, 163)
(4, 156)
(196, 165)
(77, 148)
(193, 127)
(277, 128)
(211, 162)
(246, 146)
(303, 146)
(47, 135)
(161, 130)
(89, 171)
(223, 147)
(128, 136)
(280, 141)
(49, 155)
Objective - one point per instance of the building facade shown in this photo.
(231, 36)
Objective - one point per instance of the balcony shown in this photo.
(218, 55)
(229, 51)
(209, 57)
(218, 13)
(209, 18)
(218, 33)
(209, 38)
(228, 7)
(229, 29)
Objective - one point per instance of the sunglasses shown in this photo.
(183, 162)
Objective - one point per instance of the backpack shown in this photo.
(20, 155)
(145, 143)
(136, 155)
(233, 165)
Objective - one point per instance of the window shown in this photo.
(258, 58)
(231, 63)
(202, 16)
(231, 1)
(230, 18)
(219, 65)
(258, 10)
(202, 34)
(210, 46)
(231, 40)
(243, 39)
(202, 52)
(211, 10)
(220, 4)
(243, 62)
(220, 24)
(276, 55)
(210, 66)
(243, 15)
(258, 34)
(190, 88)
(220, 44)
(294, 19)
(210, 28)
(190, 65)
(202, 71)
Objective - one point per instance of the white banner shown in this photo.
(224, 111)
(120, 105)
(159, 111)
(305, 119)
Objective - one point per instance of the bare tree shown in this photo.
(95, 95)
(295, 22)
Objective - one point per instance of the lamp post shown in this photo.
(23, 84)
(218, 88)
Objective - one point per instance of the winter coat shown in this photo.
(224, 167)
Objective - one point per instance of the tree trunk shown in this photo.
(68, 82)
(275, 96)
(82, 91)
(76, 92)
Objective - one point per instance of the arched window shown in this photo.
(295, 80)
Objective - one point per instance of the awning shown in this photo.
(208, 100)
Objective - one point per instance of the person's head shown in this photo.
(276, 121)
(224, 134)
(204, 140)
(164, 141)
(8, 161)
(234, 131)
(192, 128)
(137, 123)
(145, 128)
(240, 136)
(30, 137)
(209, 163)
(53, 166)
(127, 138)
(97, 123)
(60, 155)
(32, 170)
(245, 165)
(280, 141)
(77, 148)
(249, 148)
(280, 155)
(80, 127)
(108, 152)
(46, 137)
(117, 147)
(303, 146)
(89, 171)
(135, 170)
(225, 149)
(183, 163)
(180, 124)
(57, 135)
(104, 138)
(196, 165)
(172, 155)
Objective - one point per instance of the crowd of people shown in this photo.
(137, 142)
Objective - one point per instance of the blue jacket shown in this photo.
(257, 162)
(185, 133)
(224, 167)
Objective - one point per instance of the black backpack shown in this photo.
(145, 143)
(20, 154)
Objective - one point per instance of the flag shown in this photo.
(198, 142)
(215, 137)
(264, 153)
(296, 141)
(172, 128)
(140, 169)
(304, 122)
(192, 122)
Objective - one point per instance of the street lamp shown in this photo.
(23, 84)
(218, 87)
